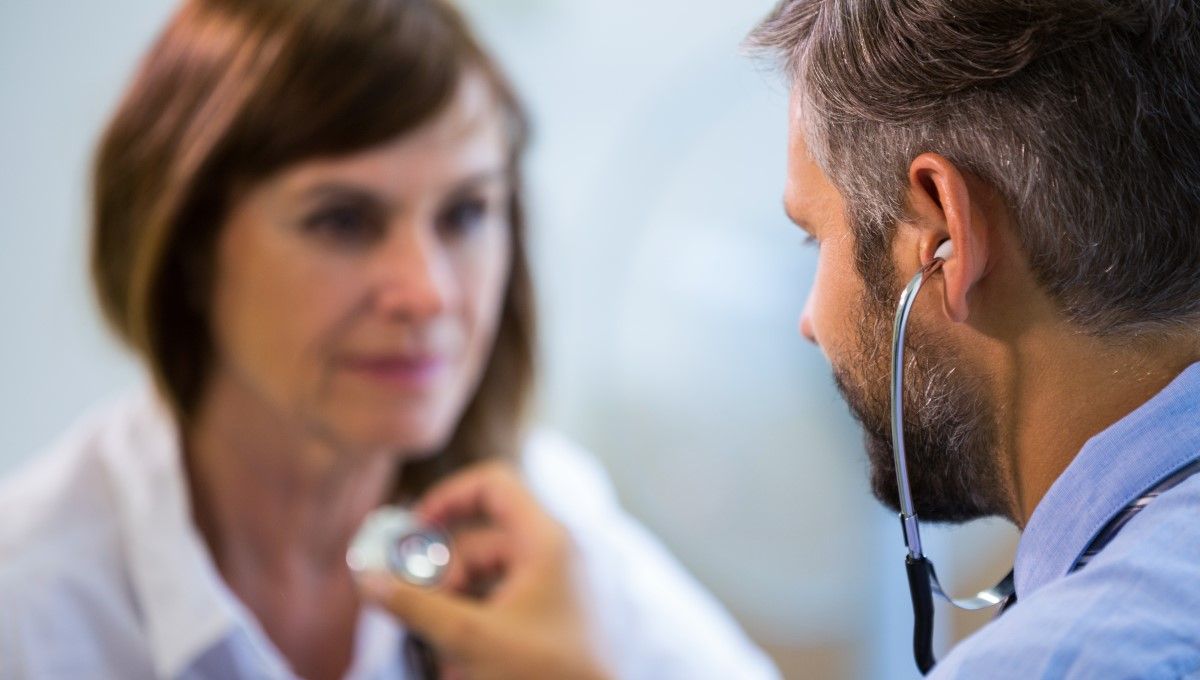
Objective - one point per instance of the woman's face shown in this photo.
(359, 296)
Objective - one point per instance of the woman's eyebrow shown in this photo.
(482, 177)
(340, 190)
(355, 193)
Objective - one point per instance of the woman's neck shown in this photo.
(277, 505)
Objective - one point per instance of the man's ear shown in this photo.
(944, 208)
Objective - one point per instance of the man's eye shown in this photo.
(348, 225)
(463, 216)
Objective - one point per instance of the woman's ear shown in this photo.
(944, 212)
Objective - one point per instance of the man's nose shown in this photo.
(806, 322)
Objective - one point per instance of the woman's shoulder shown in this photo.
(63, 509)
(566, 478)
(62, 571)
(62, 493)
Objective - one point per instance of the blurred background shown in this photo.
(670, 284)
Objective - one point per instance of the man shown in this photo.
(1054, 375)
(1056, 145)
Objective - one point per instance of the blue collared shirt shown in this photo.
(1134, 610)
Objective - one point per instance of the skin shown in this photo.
(355, 304)
(533, 623)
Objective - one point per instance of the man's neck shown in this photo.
(1066, 388)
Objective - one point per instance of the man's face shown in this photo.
(950, 429)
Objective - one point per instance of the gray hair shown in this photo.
(1084, 116)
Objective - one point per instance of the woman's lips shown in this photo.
(407, 372)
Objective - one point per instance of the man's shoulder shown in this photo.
(1131, 612)
(1068, 633)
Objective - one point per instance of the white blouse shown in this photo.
(103, 574)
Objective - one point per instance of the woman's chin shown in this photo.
(410, 439)
(412, 429)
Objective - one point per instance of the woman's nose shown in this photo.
(412, 275)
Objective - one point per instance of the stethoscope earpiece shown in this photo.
(944, 251)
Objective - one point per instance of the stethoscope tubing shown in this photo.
(923, 582)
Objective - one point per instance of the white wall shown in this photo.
(61, 68)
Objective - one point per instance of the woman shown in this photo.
(308, 226)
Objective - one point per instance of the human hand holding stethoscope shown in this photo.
(530, 622)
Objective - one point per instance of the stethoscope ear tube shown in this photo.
(922, 603)
(922, 579)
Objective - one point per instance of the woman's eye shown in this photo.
(463, 216)
(344, 225)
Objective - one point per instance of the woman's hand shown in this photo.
(531, 622)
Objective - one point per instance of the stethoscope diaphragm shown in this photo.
(393, 540)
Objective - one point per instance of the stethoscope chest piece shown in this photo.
(392, 539)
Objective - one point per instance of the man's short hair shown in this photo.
(1084, 116)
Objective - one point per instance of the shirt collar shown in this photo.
(1113, 469)
(184, 605)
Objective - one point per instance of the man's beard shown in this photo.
(950, 430)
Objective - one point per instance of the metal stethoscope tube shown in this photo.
(922, 579)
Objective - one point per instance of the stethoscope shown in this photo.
(922, 579)
(392, 539)
(923, 582)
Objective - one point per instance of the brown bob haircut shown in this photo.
(236, 90)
